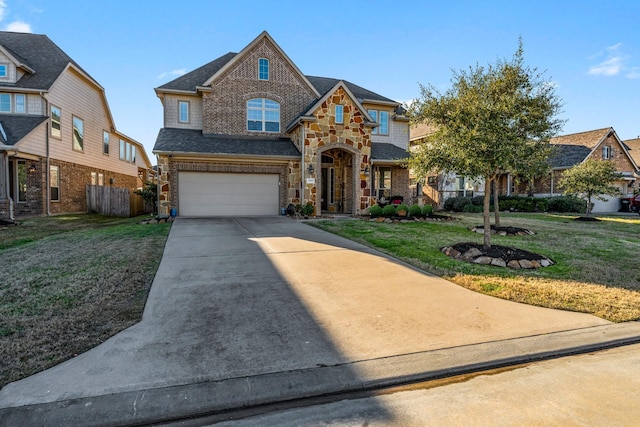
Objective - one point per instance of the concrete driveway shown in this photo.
(245, 311)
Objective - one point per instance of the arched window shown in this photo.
(263, 115)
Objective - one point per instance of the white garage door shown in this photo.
(227, 194)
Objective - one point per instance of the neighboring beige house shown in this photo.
(250, 134)
(438, 186)
(56, 132)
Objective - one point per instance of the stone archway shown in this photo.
(336, 186)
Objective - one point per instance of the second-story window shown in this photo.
(183, 111)
(55, 122)
(263, 115)
(78, 134)
(381, 117)
(3, 71)
(105, 142)
(263, 69)
(20, 103)
(339, 114)
(5, 103)
(122, 149)
(607, 152)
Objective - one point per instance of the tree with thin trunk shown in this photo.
(491, 120)
(591, 179)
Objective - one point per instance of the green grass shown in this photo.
(596, 268)
(70, 282)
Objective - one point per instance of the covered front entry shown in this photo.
(227, 194)
(337, 181)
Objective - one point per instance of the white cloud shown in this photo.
(174, 73)
(608, 67)
(3, 6)
(614, 63)
(18, 27)
(634, 73)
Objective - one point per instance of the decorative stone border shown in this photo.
(475, 256)
(396, 220)
(160, 220)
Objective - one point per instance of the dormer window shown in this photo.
(3, 71)
(263, 115)
(263, 69)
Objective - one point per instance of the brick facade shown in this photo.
(72, 188)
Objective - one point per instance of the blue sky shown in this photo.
(589, 49)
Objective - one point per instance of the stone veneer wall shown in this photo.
(351, 136)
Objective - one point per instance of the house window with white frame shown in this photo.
(339, 114)
(263, 69)
(183, 111)
(133, 153)
(5, 102)
(381, 117)
(94, 178)
(263, 115)
(4, 71)
(78, 134)
(105, 142)
(128, 152)
(100, 179)
(56, 127)
(607, 152)
(54, 183)
(122, 149)
(20, 103)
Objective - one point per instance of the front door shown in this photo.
(323, 191)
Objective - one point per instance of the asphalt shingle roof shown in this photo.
(197, 77)
(386, 151)
(194, 141)
(17, 127)
(633, 147)
(574, 148)
(40, 54)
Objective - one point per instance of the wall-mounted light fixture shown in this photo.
(31, 169)
(366, 170)
(311, 169)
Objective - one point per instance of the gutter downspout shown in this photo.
(48, 155)
(7, 189)
(157, 187)
(302, 168)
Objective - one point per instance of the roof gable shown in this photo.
(261, 43)
(43, 60)
(338, 85)
(633, 148)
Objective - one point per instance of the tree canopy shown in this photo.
(493, 119)
(591, 179)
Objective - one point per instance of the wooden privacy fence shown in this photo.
(113, 201)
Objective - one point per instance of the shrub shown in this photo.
(375, 210)
(457, 204)
(415, 210)
(566, 204)
(389, 210)
(402, 209)
(427, 210)
(471, 208)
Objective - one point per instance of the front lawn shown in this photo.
(70, 282)
(596, 270)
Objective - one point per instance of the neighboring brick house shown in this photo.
(633, 147)
(249, 134)
(573, 149)
(570, 150)
(56, 132)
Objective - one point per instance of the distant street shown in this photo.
(596, 389)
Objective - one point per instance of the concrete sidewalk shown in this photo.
(258, 310)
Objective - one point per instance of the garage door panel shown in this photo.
(227, 194)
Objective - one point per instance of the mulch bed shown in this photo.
(586, 218)
(504, 231)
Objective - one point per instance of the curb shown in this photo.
(207, 398)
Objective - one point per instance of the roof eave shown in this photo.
(180, 154)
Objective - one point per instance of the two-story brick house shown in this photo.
(249, 134)
(56, 132)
